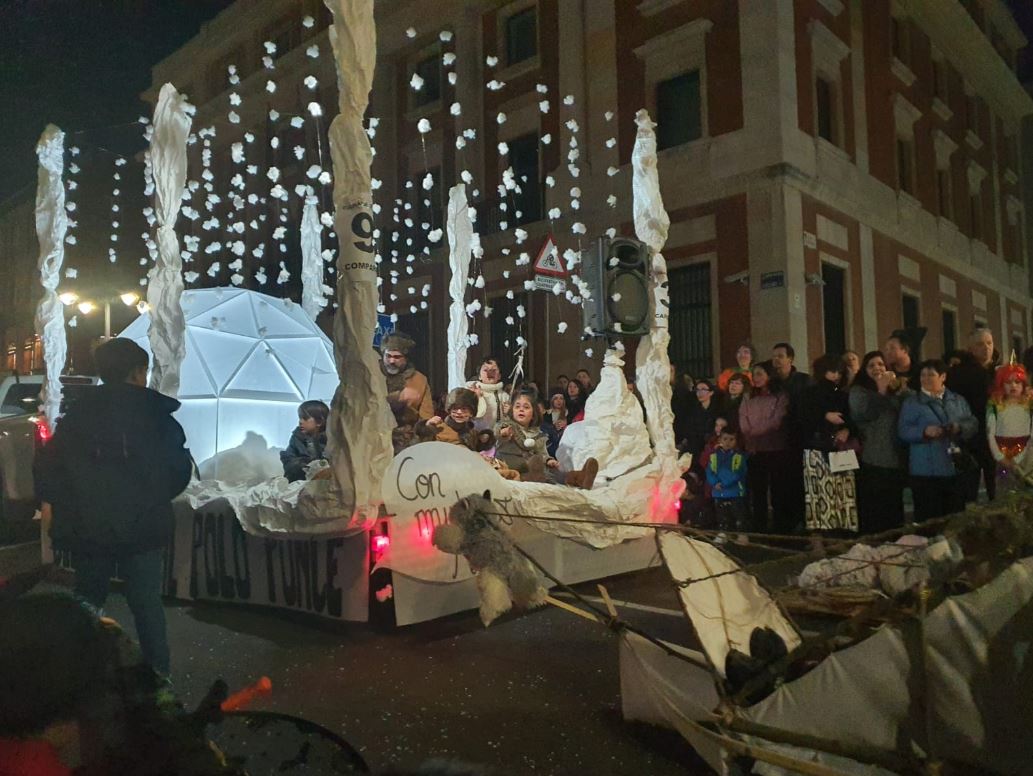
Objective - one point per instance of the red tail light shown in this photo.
(42, 433)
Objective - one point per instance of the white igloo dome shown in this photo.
(251, 359)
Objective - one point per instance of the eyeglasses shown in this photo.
(703, 389)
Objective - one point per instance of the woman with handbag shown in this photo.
(876, 397)
(932, 423)
(830, 497)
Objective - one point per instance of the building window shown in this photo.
(522, 36)
(949, 322)
(909, 310)
(429, 69)
(679, 110)
(972, 114)
(523, 157)
(975, 214)
(503, 335)
(906, 165)
(825, 97)
(691, 345)
(900, 39)
(944, 199)
(833, 297)
(428, 213)
(940, 81)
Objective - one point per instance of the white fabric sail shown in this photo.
(460, 239)
(313, 290)
(652, 363)
(167, 335)
(51, 225)
(359, 430)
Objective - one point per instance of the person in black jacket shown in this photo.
(308, 441)
(107, 479)
(972, 379)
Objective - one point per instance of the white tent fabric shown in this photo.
(360, 424)
(460, 239)
(652, 363)
(165, 286)
(613, 431)
(249, 361)
(51, 225)
(313, 290)
(977, 679)
(724, 610)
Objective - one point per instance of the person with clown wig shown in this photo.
(1009, 422)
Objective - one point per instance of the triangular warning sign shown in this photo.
(549, 261)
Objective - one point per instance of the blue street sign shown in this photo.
(384, 326)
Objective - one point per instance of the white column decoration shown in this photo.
(652, 363)
(167, 332)
(460, 238)
(360, 424)
(51, 225)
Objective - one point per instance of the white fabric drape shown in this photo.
(460, 239)
(313, 290)
(167, 335)
(359, 429)
(652, 363)
(51, 225)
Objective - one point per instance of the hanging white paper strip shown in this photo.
(51, 225)
(167, 333)
(460, 238)
(313, 298)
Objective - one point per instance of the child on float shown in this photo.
(522, 447)
(457, 427)
(308, 440)
(1009, 421)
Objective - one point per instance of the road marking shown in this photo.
(626, 605)
(19, 546)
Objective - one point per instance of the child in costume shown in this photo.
(1009, 420)
(307, 442)
(522, 447)
(457, 428)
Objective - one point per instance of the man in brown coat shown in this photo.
(408, 391)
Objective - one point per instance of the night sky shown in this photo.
(82, 64)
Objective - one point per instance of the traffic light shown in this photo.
(617, 274)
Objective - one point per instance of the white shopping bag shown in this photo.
(843, 461)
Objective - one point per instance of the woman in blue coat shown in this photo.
(932, 423)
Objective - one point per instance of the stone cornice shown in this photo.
(954, 32)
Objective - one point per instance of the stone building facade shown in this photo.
(833, 169)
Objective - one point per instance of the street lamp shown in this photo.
(86, 306)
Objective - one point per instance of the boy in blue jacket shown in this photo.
(726, 474)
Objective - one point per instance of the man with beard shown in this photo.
(972, 380)
(492, 398)
(408, 391)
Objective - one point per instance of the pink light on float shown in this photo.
(664, 506)
(426, 532)
(380, 543)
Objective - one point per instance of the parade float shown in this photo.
(240, 361)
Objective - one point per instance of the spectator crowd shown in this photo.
(781, 451)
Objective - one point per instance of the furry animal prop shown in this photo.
(504, 577)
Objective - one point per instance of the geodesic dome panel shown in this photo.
(251, 359)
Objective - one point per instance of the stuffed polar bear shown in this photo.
(504, 577)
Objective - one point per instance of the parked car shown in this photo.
(22, 432)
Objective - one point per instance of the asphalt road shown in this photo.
(536, 692)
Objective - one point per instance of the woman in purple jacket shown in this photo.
(762, 417)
